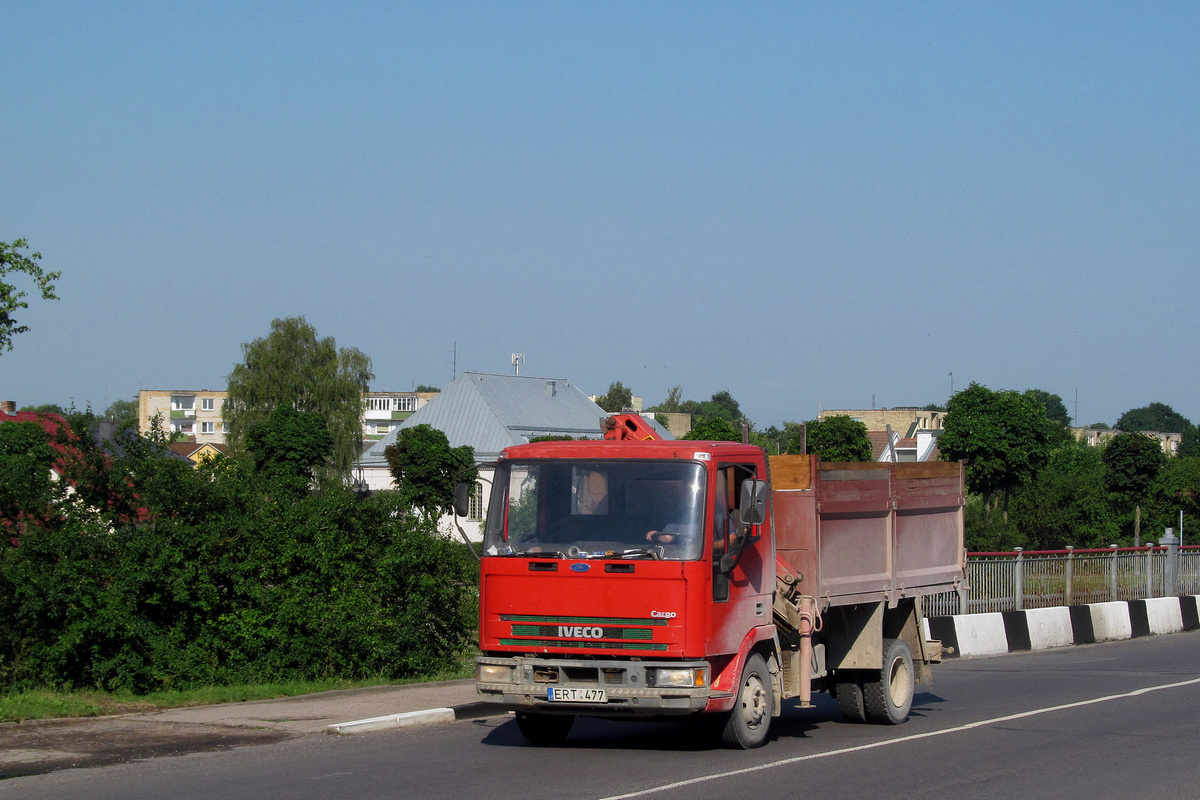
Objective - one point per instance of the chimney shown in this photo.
(8, 407)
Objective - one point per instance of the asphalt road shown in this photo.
(1117, 720)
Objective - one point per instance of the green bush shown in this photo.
(219, 580)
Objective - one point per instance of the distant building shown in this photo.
(196, 414)
(898, 434)
(193, 414)
(197, 453)
(905, 420)
(1099, 436)
(384, 411)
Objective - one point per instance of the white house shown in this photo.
(489, 413)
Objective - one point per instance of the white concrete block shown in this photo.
(980, 634)
(1164, 615)
(1050, 627)
(1110, 621)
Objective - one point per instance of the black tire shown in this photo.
(544, 730)
(747, 726)
(889, 699)
(850, 701)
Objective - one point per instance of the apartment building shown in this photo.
(196, 414)
(193, 414)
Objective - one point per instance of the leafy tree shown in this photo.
(1056, 410)
(46, 408)
(1158, 417)
(617, 398)
(123, 414)
(289, 446)
(26, 485)
(1004, 436)
(426, 469)
(1189, 445)
(671, 404)
(724, 406)
(1067, 503)
(12, 260)
(775, 440)
(836, 438)
(1176, 489)
(426, 388)
(1132, 462)
(985, 531)
(293, 367)
(714, 429)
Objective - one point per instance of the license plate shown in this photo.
(570, 694)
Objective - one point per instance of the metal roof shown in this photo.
(492, 412)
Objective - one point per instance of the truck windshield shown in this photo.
(597, 509)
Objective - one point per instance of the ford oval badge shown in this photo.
(580, 567)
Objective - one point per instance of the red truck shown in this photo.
(637, 578)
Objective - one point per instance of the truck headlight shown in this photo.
(690, 678)
(493, 673)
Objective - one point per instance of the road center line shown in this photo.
(888, 742)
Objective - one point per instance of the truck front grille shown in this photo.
(585, 633)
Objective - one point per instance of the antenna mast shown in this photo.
(517, 360)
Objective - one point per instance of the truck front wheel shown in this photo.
(747, 725)
(889, 699)
(545, 730)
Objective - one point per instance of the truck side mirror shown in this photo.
(753, 506)
(462, 499)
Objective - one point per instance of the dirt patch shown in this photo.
(37, 748)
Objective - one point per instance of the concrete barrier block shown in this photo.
(1164, 615)
(1110, 621)
(980, 634)
(1049, 627)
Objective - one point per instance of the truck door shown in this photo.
(740, 595)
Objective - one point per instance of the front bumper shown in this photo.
(624, 683)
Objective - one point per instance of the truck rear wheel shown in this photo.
(889, 699)
(545, 730)
(850, 701)
(747, 725)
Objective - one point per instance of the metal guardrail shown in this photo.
(1020, 579)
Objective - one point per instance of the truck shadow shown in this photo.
(683, 735)
(666, 735)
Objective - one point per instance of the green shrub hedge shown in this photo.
(221, 578)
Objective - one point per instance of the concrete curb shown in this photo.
(429, 716)
(969, 635)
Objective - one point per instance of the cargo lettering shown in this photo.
(580, 632)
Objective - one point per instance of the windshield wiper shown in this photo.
(640, 552)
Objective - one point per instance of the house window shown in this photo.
(206, 427)
(224, 427)
(183, 402)
(207, 404)
(382, 427)
(475, 508)
(179, 426)
(391, 404)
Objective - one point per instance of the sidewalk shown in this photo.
(47, 745)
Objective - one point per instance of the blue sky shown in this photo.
(809, 205)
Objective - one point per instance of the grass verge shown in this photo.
(56, 704)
